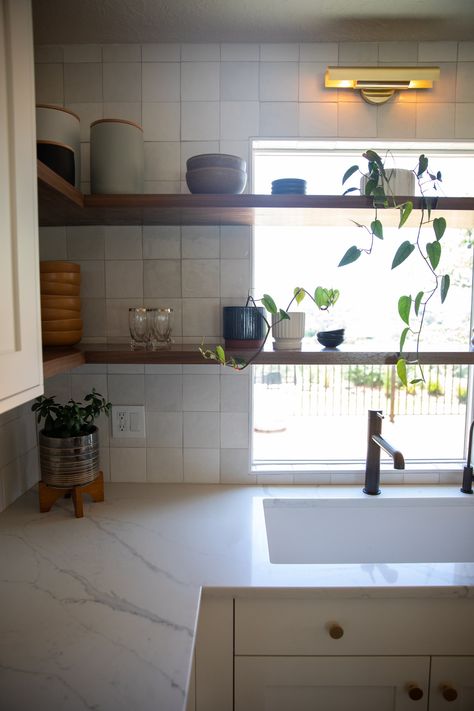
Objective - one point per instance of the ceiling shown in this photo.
(142, 21)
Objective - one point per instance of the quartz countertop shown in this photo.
(100, 612)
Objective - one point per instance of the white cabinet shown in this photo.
(21, 376)
(452, 684)
(331, 683)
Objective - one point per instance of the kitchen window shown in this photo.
(308, 417)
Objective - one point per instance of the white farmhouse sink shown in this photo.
(392, 530)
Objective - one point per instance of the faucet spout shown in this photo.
(375, 442)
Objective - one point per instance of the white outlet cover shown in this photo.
(128, 421)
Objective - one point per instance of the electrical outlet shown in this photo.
(128, 421)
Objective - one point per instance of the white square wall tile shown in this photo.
(161, 121)
(278, 81)
(121, 53)
(82, 53)
(200, 241)
(201, 466)
(311, 83)
(444, 89)
(165, 52)
(87, 242)
(201, 318)
(128, 464)
(464, 125)
(126, 389)
(122, 81)
(239, 81)
(164, 465)
(235, 393)
(123, 242)
(82, 384)
(466, 52)
(403, 52)
(239, 119)
(164, 392)
(317, 120)
(127, 110)
(200, 277)
(200, 392)
(357, 120)
(123, 278)
(52, 243)
(235, 277)
(435, 120)
(235, 467)
(116, 311)
(319, 52)
(437, 51)
(162, 277)
(162, 160)
(161, 81)
(234, 432)
(200, 81)
(244, 52)
(279, 52)
(87, 112)
(278, 119)
(200, 52)
(465, 82)
(358, 52)
(82, 82)
(161, 242)
(201, 430)
(92, 278)
(199, 120)
(235, 241)
(48, 53)
(396, 120)
(49, 83)
(164, 429)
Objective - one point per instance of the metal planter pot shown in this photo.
(69, 461)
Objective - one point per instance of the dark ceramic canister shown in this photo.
(244, 326)
(58, 157)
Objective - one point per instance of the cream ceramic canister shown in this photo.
(288, 334)
(55, 124)
(401, 182)
(117, 157)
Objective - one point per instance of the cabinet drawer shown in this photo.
(354, 626)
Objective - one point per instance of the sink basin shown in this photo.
(392, 530)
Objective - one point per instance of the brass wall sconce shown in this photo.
(378, 84)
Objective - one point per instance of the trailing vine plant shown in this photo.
(323, 298)
(411, 309)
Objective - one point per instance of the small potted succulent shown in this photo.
(69, 440)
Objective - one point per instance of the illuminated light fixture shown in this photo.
(378, 84)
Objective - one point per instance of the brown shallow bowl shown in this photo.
(216, 180)
(52, 288)
(64, 324)
(56, 266)
(61, 338)
(216, 160)
(52, 314)
(60, 277)
(56, 301)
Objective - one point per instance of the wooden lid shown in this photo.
(57, 108)
(115, 120)
(54, 143)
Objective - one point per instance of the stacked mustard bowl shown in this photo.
(61, 321)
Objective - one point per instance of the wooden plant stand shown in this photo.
(48, 495)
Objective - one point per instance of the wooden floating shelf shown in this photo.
(62, 204)
(58, 360)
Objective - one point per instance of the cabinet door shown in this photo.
(330, 683)
(452, 684)
(21, 376)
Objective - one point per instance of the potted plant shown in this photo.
(328, 336)
(411, 309)
(69, 440)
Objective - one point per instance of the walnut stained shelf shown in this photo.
(62, 204)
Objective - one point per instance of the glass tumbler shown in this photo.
(139, 323)
(161, 326)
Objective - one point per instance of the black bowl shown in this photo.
(330, 339)
(58, 157)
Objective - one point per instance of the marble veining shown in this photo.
(100, 613)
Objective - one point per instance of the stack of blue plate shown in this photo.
(289, 186)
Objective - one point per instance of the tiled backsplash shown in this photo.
(190, 99)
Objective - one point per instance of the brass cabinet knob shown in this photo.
(448, 692)
(414, 692)
(335, 631)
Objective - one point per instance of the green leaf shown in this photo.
(350, 256)
(422, 165)
(283, 315)
(269, 304)
(439, 226)
(403, 338)
(349, 190)
(415, 381)
(402, 253)
(433, 250)
(418, 299)
(405, 211)
(334, 294)
(377, 228)
(404, 306)
(370, 186)
(374, 157)
(299, 294)
(220, 353)
(445, 282)
(321, 297)
(380, 199)
(402, 370)
(350, 171)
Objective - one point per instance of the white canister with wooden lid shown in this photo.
(117, 157)
(59, 125)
